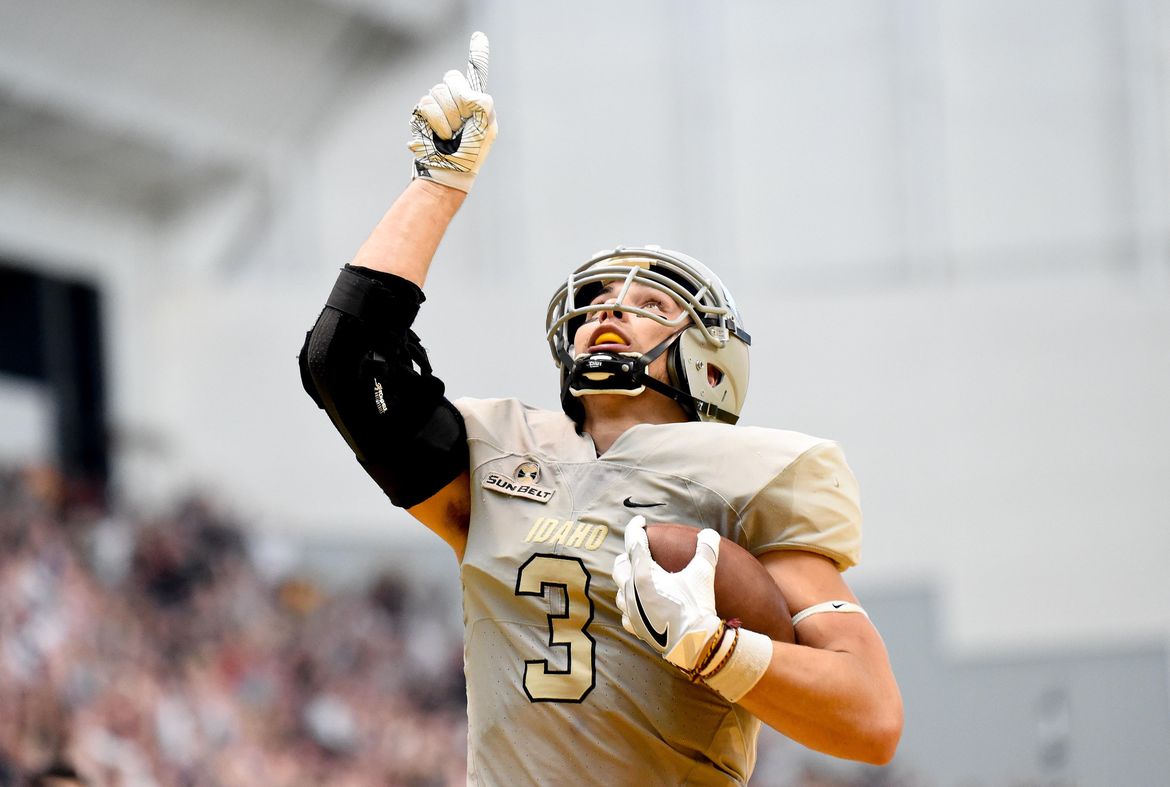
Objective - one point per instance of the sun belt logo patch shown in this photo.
(523, 483)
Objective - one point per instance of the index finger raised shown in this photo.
(477, 62)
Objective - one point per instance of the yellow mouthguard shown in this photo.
(609, 338)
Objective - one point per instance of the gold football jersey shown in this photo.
(557, 691)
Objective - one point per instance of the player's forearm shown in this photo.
(405, 240)
(836, 702)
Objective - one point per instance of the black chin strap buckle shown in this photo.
(606, 371)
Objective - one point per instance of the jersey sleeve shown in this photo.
(490, 423)
(812, 504)
(501, 427)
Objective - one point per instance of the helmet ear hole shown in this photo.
(714, 375)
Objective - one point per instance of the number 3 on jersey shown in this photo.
(566, 630)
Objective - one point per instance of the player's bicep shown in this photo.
(448, 512)
(806, 579)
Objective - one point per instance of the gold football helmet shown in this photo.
(707, 358)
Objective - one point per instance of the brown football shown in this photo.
(743, 587)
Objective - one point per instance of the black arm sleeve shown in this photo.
(363, 365)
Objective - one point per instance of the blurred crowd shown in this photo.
(157, 652)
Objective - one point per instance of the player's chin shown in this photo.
(599, 402)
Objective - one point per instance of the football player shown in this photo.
(585, 661)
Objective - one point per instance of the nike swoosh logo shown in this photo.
(838, 606)
(659, 638)
(629, 503)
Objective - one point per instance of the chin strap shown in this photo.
(690, 402)
(626, 375)
(610, 372)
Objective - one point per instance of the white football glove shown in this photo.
(672, 613)
(454, 125)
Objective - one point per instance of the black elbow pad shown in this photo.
(366, 368)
